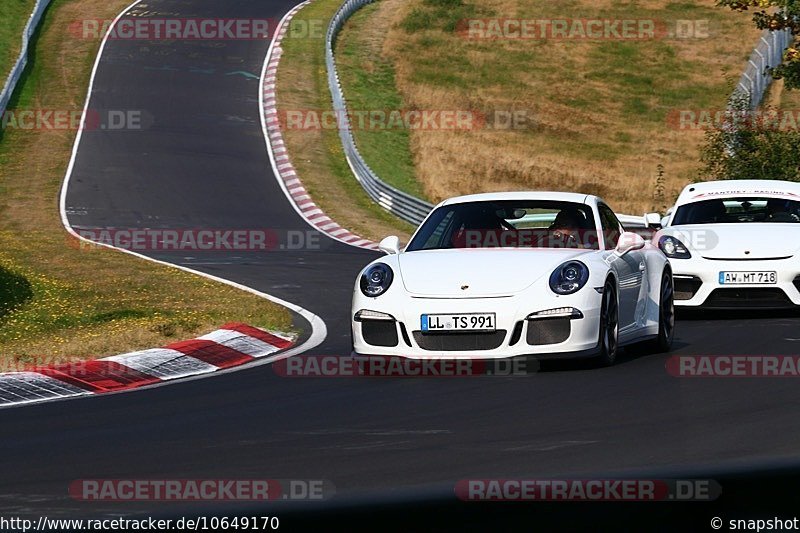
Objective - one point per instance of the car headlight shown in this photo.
(673, 248)
(376, 280)
(569, 277)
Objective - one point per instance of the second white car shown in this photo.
(735, 244)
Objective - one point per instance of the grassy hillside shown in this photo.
(600, 113)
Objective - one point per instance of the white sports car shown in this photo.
(735, 244)
(506, 274)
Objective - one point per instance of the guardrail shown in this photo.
(22, 60)
(767, 53)
(405, 206)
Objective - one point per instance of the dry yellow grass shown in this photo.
(599, 108)
(780, 98)
(72, 303)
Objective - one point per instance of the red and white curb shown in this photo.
(281, 163)
(232, 345)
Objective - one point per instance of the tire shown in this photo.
(609, 325)
(666, 315)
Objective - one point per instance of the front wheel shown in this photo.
(609, 325)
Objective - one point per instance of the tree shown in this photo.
(762, 144)
(776, 15)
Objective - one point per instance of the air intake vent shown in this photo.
(379, 332)
(452, 342)
(686, 287)
(548, 331)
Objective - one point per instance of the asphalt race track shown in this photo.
(202, 163)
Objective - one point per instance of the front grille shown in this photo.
(379, 332)
(451, 342)
(548, 331)
(738, 298)
(686, 288)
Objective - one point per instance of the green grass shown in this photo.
(13, 17)
(650, 73)
(387, 151)
(442, 15)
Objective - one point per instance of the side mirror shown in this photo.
(390, 245)
(666, 217)
(653, 220)
(629, 242)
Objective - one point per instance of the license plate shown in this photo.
(459, 322)
(748, 278)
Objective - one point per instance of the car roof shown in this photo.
(577, 198)
(731, 188)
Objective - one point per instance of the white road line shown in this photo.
(318, 328)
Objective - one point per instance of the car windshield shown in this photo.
(508, 224)
(738, 210)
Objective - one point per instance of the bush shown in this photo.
(750, 145)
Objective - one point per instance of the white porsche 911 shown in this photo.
(735, 244)
(506, 274)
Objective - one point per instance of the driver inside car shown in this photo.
(567, 226)
(777, 212)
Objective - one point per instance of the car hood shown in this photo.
(763, 240)
(472, 273)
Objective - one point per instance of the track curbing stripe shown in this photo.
(285, 172)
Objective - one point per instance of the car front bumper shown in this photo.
(515, 334)
(697, 284)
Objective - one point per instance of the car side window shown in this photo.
(439, 235)
(610, 225)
